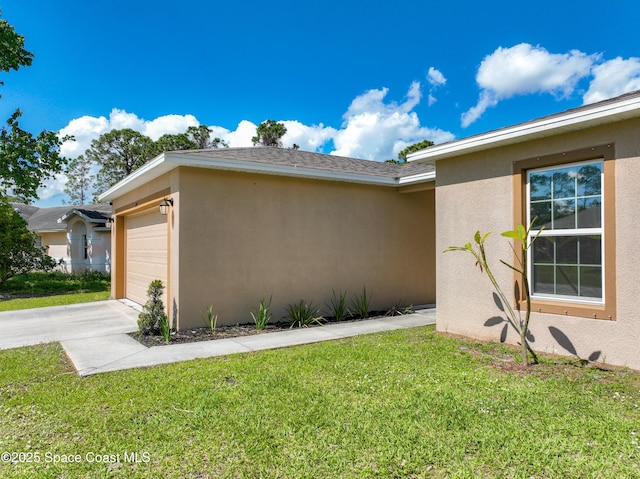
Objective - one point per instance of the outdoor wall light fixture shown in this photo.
(109, 222)
(164, 206)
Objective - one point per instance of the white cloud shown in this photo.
(241, 136)
(309, 138)
(371, 129)
(435, 77)
(613, 78)
(525, 69)
(375, 130)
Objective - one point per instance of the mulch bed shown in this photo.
(192, 335)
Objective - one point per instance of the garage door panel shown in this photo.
(146, 251)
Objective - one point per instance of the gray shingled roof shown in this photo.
(46, 219)
(306, 159)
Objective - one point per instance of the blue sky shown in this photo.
(361, 79)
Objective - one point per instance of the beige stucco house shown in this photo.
(77, 236)
(579, 173)
(250, 223)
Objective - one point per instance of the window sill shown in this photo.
(580, 310)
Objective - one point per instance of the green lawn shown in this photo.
(402, 404)
(37, 290)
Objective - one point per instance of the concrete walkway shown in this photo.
(94, 336)
(60, 323)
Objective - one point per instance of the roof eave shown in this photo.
(167, 162)
(573, 120)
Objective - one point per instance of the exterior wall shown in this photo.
(243, 237)
(475, 192)
(56, 244)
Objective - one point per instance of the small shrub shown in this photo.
(360, 304)
(338, 306)
(399, 309)
(210, 319)
(152, 316)
(262, 314)
(303, 314)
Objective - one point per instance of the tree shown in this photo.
(269, 133)
(25, 161)
(169, 142)
(201, 136)
(515, 320)
(18, 251)
(118, 153)
(13, 54)
(79, 179)
(402, 156)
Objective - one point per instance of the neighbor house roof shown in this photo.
(601, 113)
(277, 161)
(52, 219)
(99, 213)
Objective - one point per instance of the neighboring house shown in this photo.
(579, 173)
(77, 235)
(251, 223)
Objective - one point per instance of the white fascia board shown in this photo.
(419, 178)
(570, 121)
(167, 162)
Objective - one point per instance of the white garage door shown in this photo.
(146, 253)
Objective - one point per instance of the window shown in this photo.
(566, 261)
(85, 246)
(571, 266)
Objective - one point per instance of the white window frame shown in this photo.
(568, 232)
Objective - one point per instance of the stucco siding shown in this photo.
(475, 192)
(246, 236)
(56, 244)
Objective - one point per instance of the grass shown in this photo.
(54, 300)
(401, 404)
(38, 289)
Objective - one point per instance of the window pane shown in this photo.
(564, 214)
(566, 249)
(567, 280)
(540, 186)
(591, 250)
(543, 250)
(589, 180)
(567, 198)
(589, 213)
(564, 183)
(591, 281)
(543, 279)
(542, 211)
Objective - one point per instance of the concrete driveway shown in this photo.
(60, 323)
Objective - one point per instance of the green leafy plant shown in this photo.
(165, 329)
(360, 304)
(210, 319)
(399, 309)
(525, 240)
(338, 306)
(153, 315)
(303, 314)
(262, 314)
